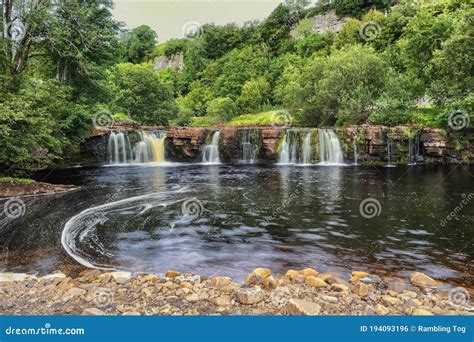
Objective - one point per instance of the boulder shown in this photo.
(300, 307)
(315, 282)
(422, 280)
(250, 295)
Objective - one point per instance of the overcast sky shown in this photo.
(168, 17)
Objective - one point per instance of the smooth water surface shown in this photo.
(228, 219)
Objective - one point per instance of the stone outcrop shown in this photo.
(173, 62)
(372, 143)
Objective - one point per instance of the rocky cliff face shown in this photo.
(174, 62)
(367, 143)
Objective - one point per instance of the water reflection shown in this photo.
(240, 229)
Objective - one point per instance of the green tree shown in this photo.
(139, 44)
(255, 94)
(341, 88)
(223, 108)
(139, 92)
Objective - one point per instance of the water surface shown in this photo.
(229, 219)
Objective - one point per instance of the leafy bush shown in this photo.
(223, 108)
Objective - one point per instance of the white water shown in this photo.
(330, 148)
(356, 154)
(79, 236)
(210, 152)
(150, 148)
(389, 153)
(291, 146)
(249, 148)
(307, 148)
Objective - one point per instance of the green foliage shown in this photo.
(255, 94)
(340, 88)
(139, 92)
(139, 44)
(223, 108)
(17, 180)
(264, 118)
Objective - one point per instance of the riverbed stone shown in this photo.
(423, 280)
(315, 282)
(356, 275)
(381, 310)
(172, 274)
(223, 300)
(250, 295)
(309, 272)
(300, 307)
(93, 312)
(360, 289)
(421, 312)
(221, 282)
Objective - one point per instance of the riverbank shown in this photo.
(304, 292)
(14, 187)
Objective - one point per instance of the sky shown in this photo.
(169, 18)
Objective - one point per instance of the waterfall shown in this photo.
(284, 157)
(211, 151)
(414, 150)
(118, 148)
(250, 142)
(389, 152)
(330, 148)
(296, 147)
(149, 149)
(307, 148)
(356, 154)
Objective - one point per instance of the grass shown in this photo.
(121, 116)
(263, 118)
(17, 180)
(203, 121)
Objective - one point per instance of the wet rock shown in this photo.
(423, 280)
(298, 306)
(396, 285)
(262, 272)
(315, 282)
(291, 274)
(325, 276)
(356, 275)
(172, 274)
(340, 288)
(250, 296)
(309, 272)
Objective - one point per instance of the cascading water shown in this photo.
(296, 147)
(389, 152)
(118, 148)
(356, 154)
(210, 152)
(150, 148)
(330, 148)
(414, 150)
(250, 142)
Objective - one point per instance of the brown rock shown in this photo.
(360, 289)
(309, 272)
(93, 312)
(298, 306)
(381, 310)
(220, 282)
(421, 279)
(262, 272)
(250, 296)
(172, 274)
(421, 312)
(223, 300)
(315, 282)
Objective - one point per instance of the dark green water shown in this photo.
(228, 219)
